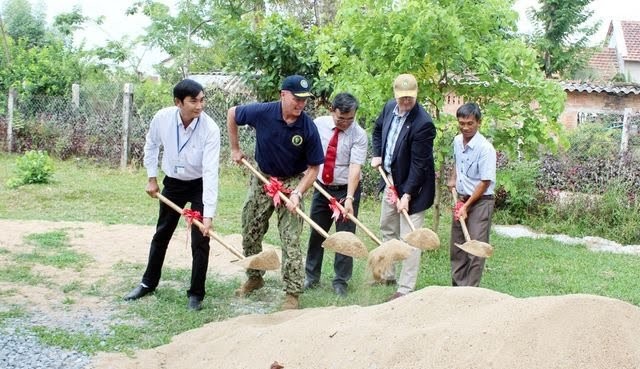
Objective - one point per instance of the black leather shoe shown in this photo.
(195, 303)
(309, 285)
(138, 292)
(340, 290)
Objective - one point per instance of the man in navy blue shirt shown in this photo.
(287, 147)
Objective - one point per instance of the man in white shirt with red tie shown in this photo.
(191, 149)
(344, 144)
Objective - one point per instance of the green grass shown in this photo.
(53, 249)
(20, 274)
(83, 192)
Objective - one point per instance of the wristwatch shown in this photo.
(349, 197)
(297, 193)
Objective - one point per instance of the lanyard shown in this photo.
(178, 133)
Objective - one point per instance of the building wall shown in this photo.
(633, 70)
(595, 103)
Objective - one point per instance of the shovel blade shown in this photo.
(382, 257)
(477, 248)
(346, 243)
(424, 239)
(265, 260)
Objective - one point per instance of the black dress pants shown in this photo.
(321, 214)
(179, 192)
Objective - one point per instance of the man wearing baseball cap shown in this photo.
(288, 147)
(297, 85)
(403, 145)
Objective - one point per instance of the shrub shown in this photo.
(517, 193)
(32, 167)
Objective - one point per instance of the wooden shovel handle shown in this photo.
(350, 216)
(286, 200)
(199, 224)
(464, 229)
(462, 222)
(389, 185)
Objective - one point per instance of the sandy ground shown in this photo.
(436, 327)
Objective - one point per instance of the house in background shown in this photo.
(613, 79)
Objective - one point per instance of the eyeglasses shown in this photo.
(345, 120)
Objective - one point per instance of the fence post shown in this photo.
(127, 103)
(624, 140)
(75, 95)
(11, 103)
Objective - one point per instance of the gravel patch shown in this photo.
(596, 244)
(21, 349)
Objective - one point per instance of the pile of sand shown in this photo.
(437, 327)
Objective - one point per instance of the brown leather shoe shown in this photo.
(252, 284)
(290, 302)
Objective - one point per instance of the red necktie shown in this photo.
(330, 159)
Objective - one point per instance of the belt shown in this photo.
(334, 187)
(464, 198)
(184, 180)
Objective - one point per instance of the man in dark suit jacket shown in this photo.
(403, 145)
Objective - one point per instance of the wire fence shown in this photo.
(95, 122)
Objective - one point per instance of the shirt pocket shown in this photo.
(473, 170)
(195, 154)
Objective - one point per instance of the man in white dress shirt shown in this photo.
(191, 149)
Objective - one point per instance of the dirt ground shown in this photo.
(436, 327)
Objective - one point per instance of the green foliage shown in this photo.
(193, 28)
(268, 51)
(593, 140)
(149, 97)
(613, 215)
(562, 35)
(32, 167)
(24, 23)
(373, 41)
(50, 69)
(518, 190)
(590, 164)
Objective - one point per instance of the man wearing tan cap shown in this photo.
(403, 145)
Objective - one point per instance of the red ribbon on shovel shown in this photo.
(190, 215)
(456, 208)
(392, 195)
(335, 211)
(273, 188)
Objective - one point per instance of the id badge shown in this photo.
(178, 167)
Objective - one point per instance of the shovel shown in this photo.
(423, 238)
(345, 243)
(473, 247)
(382, 257)
(265, 260)
(350, 216)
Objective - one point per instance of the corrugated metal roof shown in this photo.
(610, 89)
(226, 82)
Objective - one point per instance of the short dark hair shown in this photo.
(345, 102)
(470, 109)
(187, 87)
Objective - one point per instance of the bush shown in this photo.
(32, 167)
(517, 192)
(614, 215)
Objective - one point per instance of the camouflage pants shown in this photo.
(256, 212)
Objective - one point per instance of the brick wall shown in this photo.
(595, 103)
